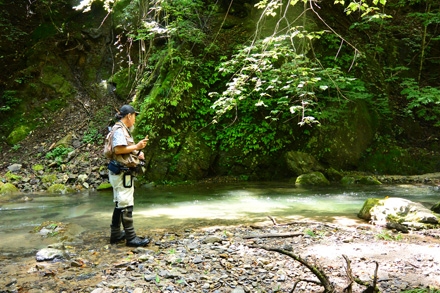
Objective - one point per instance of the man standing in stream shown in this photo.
(125, 155)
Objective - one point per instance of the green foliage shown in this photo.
(310, 233)
(37, 167)
(92, 136)
(423, 101)
(58, 154)
(16, 147)
(386, 235)
(9, 101)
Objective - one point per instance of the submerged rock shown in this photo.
(60, 188)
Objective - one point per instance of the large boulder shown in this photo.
(301, 163)
(312, 179)
(346, 140)
(398, 210)
(193, 160)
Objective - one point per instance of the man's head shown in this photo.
(127, 109)
(127, 115)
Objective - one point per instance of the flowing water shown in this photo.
(191, 206)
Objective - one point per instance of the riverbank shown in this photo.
(221, 259)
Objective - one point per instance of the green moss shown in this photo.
(348, 180)
(37, 167)
(18, 134)
(8, 188)
(60, 188)
(12, 177)
(53, 78)
(436, 208)
(122, 82)
(395, 219)
(49, 178)
(364, 213)
(45, 30)
(367, 180)
(104, 186)
(314, 178)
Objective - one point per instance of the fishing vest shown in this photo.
(130, 159)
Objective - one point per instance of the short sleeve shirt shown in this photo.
(119, 138)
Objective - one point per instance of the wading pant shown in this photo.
(122, 195)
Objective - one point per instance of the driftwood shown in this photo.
(316, 270)
(323, 279)
(298, 223)
(277, 235)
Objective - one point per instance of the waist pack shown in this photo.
(116, 168)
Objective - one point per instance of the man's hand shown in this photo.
(141, 156)
(142, 144)
(122, 149)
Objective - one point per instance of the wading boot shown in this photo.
(116, 234)
(130, 235)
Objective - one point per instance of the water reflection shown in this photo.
(186, 206)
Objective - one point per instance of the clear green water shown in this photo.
(190, 206)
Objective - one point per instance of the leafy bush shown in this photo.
(58, 154)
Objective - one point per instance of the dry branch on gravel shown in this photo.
(324, 280)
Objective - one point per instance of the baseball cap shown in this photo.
(127, 109)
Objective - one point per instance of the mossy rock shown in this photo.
(12, 177)
(104, 186)
(60, 188)
(364, 213)
(333, 175)
(8, 188)
(18, 134)
(49, 178)
(122, 82)
(53, 77)
(436, 208)
(37, 167)
(312, 179)
(302, 163)
(348, 180)
(366, 180)
(64, 142)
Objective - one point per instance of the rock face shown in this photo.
(397, 210)
(302, 163)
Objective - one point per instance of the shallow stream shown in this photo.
(194, 206)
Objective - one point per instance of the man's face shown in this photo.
(131, 119)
